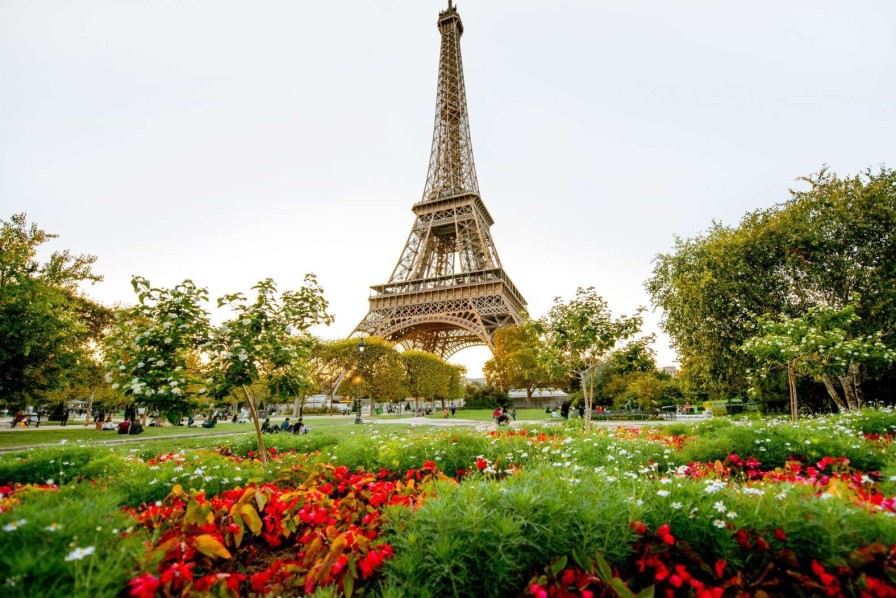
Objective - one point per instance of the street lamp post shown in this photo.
(361, 347)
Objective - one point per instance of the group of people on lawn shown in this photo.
(298, 428)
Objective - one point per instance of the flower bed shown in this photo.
(704, 509)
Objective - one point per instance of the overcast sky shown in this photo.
(229, 141)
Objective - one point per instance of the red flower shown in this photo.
(339, 565)
(639, 527)
(826, 578)
(538, 591)
(144, 586)
(780, 535)
(720, 568)
(664, 533)
(481, 463)
(568, 577)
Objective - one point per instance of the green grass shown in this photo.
(484, 415)
(53, 435)
(486, 536)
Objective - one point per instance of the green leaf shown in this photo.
(348, 584)
(558, 566)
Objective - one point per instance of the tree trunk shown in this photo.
(529, 392)
(832, 392)
(254, 411)
(587, 396)
(846, 383)
(856, 372)
(89, 407)
(791, 383)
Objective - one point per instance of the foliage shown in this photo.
(580, 332)
(151, 354)
(428, 376)
(485, 397)
(73, 541)
(735, 503)
(266, 341)
(47, 327)
(332, 517)
(384, 370)
(828, 244)
(516, 362)
(820, 345)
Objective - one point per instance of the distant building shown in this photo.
(475, 381)
(672, 370)
(541, 398)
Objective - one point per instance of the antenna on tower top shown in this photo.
(450, 4)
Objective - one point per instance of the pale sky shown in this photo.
(229, 141)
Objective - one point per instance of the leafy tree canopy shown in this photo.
(48, 328)
(826, 244)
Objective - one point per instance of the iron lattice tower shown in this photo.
(448, 290)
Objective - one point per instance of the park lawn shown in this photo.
(484, 415)
(170, 438)
(55, 435)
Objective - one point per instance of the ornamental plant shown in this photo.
(579, 333)
(819, 344)
(152, 351)
(276, 539)
(266, 340)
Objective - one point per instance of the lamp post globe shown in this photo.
(361, 347)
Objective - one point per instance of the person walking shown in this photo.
(64, 420)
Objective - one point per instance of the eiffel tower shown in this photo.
(448, 290)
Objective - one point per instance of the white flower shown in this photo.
(731, 515)
(720, 507)
(13, 526)
(53, 527)
(676, 505)
(719, 523)
(79, 553)
(663, 493)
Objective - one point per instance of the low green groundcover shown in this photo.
(735, 508)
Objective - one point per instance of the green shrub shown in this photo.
(33, 556)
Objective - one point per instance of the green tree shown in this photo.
(517, 361)
(580, 333)
(152, 351)
(428, 376)
(828, 243)
(384, 370)
(266, 341)
(47, 326)
(819, 344)
(484, 397)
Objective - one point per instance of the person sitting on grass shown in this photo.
(285, 426)
(300, 428)
(136, 428)
(109, 424)
(124, 427)
(266, 426)
(210, 423)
